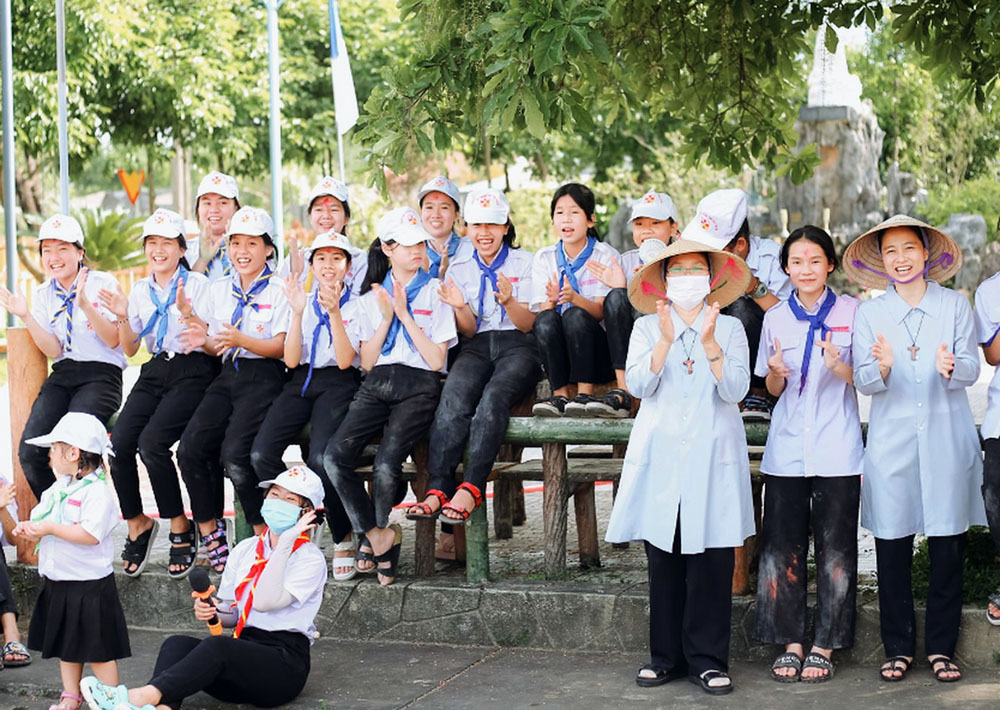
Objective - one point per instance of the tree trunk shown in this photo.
(27, 185)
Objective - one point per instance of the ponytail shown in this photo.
(510, 238)
(592, 232)
(89, 461)
(378, 266)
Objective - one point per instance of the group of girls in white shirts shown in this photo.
(247, 352)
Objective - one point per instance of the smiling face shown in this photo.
(570, 223)
(438, 214)
(163, 254)
(903, 253)
(808, 267)
(248, 253)
(215, 211)
(60, 260)
(326, 213)
(329, 265)
(487, 238)
(644, 228)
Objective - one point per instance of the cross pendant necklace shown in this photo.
(689, 363)
(914, 348)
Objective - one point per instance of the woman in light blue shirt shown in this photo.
(685, 486)
(915, 353)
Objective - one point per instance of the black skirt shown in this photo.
(79, 622)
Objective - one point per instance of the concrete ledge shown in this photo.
(542, 615)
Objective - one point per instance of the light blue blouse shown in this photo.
(987, 325)
(688, 449)
(923, 466)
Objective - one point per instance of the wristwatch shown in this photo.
(760, 291)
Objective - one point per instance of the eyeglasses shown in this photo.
(690, 271)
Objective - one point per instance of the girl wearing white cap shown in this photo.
(653, 217)
(270, 593)
(326, 373)
(78, 617)
(215, 204)
(402, 330)
(915, 353)
(569, 299)
(439, 200)
(497, 366)
(685, 485)
(169, 389)
(70, 326)
(812, 464)
(247, 320)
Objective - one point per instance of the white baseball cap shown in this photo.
(441, 184)
(79, 429)
(63, 228)
(301, 480)
(720, 216)
(220, 184)
(164, 223)
(329, 186)
(251, 221)
(655, 205)
(486, 206)
(401, 225)
(331, 239)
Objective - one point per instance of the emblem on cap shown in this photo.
(707, 222)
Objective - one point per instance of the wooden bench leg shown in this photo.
(475, 534)
(424, 544)
(614, 495)
(554, 504)
(518, 516)
(503, 500)
(586, 525)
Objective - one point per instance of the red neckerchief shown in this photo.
(259, 563)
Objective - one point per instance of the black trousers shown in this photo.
(991, 488)
(323, 407)
(746, 310)
(91, 387)
(261, 668)
(168, 391)
(894, 560)
(222, 429)
(573, 347)
(619, 319)
(497, 369)
(690, 607)
(8, 602)
(793, 506)
(398, 402)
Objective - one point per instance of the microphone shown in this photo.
(202, 588)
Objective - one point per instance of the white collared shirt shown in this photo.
(326, 354)
(87, 344)
(94, 508)
(354, 277)
(464, 251)
(467, 276)
(545, 267)
(304, 580)
(764, 260)
(815, 432)
(264, 318)
(987, 325)
(630, 263)
(434, 318)
(923, 465)
(141, 308)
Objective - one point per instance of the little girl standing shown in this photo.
(78, 617)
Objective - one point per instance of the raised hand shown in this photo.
(81, 287)
(831, 353)
(708, 325)
(14, 303)
(384, 301)
(296, 258)
(944, 361)
(329, 296)
(399, 304)
(566, 294)
(182, 302)
(611, 276)
(115, 301)
(295, 294)
(194, 336)
(666, 321)
(6, 495)
(882, 351)
(552, 290)
(776, 363)
(505, 290)
(451, 294)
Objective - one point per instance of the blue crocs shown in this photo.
(101, 696)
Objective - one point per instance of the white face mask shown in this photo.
(688, 291)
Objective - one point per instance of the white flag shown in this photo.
(345, 101)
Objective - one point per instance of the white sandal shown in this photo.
(343, 567)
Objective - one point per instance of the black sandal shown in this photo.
(818, 660)
(893, 664)
(364, 555)
(707, 677)
(218, 555)
(787, 660)
(391, 556)
(137, 551)
(182, 556)
(662, 676)
(941, 665)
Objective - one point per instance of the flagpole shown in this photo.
(9, 212)
(340, 155)
(277, 208)
(61, 89)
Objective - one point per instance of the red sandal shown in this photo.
(477, 498)
(422, 511)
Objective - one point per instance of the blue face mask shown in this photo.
(279, 515)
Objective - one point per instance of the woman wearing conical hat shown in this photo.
(915, 353)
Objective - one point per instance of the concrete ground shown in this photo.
(371, 675)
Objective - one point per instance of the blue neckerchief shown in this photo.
(160, 314)
(815, 323)
(454, 242)
(322, 320)
(567, 270)
(417, 283)
(222, 255)
(488, 275)
(67, 299)
(244, 299)
(346, 295)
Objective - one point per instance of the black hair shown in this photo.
(583, 197)
(919, 231)
(510, 236)
(197, 201)
(181, 242)
(89, 461)
(83, 262)
(268, 241)
(708, 261)
(420, 202)
(347, 254)
(819, 237)
(743, 232)
(343, 203)
(378, 266)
